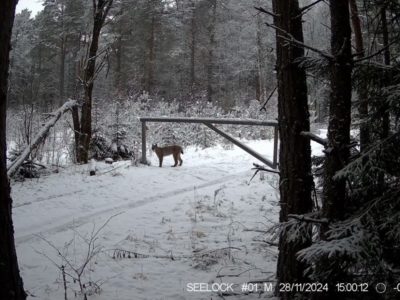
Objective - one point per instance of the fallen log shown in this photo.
(38, 139)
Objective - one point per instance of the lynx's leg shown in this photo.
(160, 159)
(175, 159)
(180, 159)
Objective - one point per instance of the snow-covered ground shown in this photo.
(169, 227)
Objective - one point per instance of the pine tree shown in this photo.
(11, 286)
(295, 152)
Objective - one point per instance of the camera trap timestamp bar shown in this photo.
(314, 287)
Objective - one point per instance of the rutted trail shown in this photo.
(72, 198)
(81, 218)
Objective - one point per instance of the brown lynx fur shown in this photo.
(175, 150)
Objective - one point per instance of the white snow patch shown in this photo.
(184, 224)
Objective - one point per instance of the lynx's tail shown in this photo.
(181, 151)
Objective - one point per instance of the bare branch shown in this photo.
(315, 138)
(77, 272)
(106, 10)
(63, 257)
(264, 11)
(289, 38)
(261, 168)
(269, 243)
(106, 222)
(234, 275)
(306, 8)
(269, 97)
(377, 52)
(256, 230)
(303, 218)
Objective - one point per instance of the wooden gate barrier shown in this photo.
(209, 123)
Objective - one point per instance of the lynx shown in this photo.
(175, 150)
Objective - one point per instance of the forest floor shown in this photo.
(152, 232)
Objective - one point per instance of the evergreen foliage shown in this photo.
(361, 245)
(153, 45)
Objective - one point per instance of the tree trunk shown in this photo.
(62, 70)
(362, 90)
(383, 107)
(118, 68)
(260, 84)
(337, 152)
(192, 48)
(101, 8)
(63, 52)
(149, 84)
(11, 285)
(386, 57)
(295, 151)
(212, 42)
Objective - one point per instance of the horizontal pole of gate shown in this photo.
(209, 120)
(244, 147)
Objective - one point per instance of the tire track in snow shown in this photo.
(87, 218)
(41, 199)
(51, 197)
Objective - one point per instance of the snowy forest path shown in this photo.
(59, 195)
(201, 208)
(29, 232)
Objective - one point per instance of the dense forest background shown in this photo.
(185, 50)
(187, 58)
(218, 50)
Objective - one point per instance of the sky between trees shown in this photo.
(33, 5)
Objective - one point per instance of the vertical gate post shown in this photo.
(276, 138)
(144, 161)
